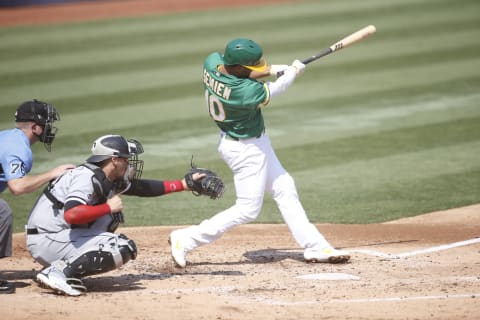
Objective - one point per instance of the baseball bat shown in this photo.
(345, 42)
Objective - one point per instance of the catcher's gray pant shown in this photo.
(70, 244)
(6, 229)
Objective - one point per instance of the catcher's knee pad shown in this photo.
(102, 258)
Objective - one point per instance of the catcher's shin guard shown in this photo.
(102, 259)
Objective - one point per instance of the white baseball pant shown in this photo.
(256, 170)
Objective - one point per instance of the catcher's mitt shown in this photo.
(210, 185)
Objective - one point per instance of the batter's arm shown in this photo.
(260, 74)
(282, 83)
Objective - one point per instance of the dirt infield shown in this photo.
(426, 267)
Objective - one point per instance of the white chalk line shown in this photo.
(185, 291)
(233, 290)
(363, 300)
(414, 298)
(417, 252)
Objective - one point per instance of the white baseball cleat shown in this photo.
(327, 254)
(178, 251)
(54, 279)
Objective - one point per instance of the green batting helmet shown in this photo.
(245, 52)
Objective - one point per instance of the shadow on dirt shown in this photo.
(273, 255)
(12, 276)
(126, 282)
(256, 257)
(212, 273)
(18, 274)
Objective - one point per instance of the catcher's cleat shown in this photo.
(54, 279)
(179, 254)
(328, 254)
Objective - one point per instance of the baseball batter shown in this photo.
(71, 228)
(33, 122)
(235, 100)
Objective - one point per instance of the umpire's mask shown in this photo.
(43, 114)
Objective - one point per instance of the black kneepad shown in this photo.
(90, 263)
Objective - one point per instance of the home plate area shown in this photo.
(408, 270)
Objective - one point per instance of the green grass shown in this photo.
(387, 128)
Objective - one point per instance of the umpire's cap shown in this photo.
(245, 52)
(36, 111)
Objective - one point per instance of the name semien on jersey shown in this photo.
(219, 88)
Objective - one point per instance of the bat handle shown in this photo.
(311, 58)
(281, 73)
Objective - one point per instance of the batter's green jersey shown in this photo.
(234, 103)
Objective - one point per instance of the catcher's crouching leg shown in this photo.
(102, 258)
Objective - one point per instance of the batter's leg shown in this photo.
(248, 164)
(284, 192)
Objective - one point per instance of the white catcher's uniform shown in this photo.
(51, 238)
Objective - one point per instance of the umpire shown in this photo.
(33, 122)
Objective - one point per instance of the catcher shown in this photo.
(71, 228)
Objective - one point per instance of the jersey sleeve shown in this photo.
(17, 160)
(14, 167)
(267, 99)
(146, 188)
(83, 214)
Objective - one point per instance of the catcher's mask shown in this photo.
(110, 146)
(245, 52)
(135, 164)
(44, 115)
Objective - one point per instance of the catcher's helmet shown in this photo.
(110, 146)
(245, 52)
(43, 114)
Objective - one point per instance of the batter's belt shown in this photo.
(229, 137)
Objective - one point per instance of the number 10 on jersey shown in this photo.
(215, 107)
